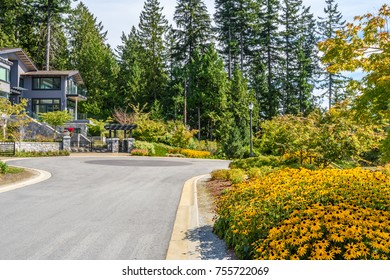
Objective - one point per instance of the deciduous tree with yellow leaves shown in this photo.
(365, 45)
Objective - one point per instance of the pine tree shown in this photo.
(333, 84)
(131, 72)
(234, 20)
(193, 31)
(266, 58)
(208, 92)
(234, 131)
(49, 13)
(95, 61)
(152, 31)
(290, 20)
(26, 23)
(193, 34)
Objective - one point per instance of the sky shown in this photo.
(119, 16)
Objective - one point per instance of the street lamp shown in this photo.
(251, 143)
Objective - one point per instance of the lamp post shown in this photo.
(250, 135)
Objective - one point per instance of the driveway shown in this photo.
(96, 208)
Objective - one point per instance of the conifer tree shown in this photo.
(152, 31)
(130, 78)
(95, 61)
(193, 34)
(208, 92)
(235, 126)
(266, 58)
(333, 84)
(234, 20)
(193, 31)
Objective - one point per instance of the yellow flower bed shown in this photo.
(194, 154)
(303, 214)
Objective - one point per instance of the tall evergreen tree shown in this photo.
(131, 71)
(299, 63)
(290, 19)
(95, 61)
(152, 31)
(333, 84)
(193, 31)
(208, 92)
(266, 58)
(193, 34)
(26, 24)
(234, 21)
(234, 130)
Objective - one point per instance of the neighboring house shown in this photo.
(46, 91)
(5, 68)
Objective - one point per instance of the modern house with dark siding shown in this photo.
(46, 91)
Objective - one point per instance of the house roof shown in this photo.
(52, 73)
(22, 56)
(5, 61)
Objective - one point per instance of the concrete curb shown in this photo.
(187, 219)
(42, 176)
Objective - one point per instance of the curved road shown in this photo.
(96, 208)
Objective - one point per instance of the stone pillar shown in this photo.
(113, 145)
(129, 144)
(66, 143)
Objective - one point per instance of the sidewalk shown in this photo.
(192, 237)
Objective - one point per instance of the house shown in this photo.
(5, 68)
(46, 91)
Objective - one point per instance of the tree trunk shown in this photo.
(48, 36)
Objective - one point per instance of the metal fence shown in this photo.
(7, 148)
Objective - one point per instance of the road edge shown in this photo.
(187, 219)
(42, 176)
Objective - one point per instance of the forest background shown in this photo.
(203, 72)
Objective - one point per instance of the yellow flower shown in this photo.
(294, 257)
(337, 237)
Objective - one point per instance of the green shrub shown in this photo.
(142, 145)
(259, 161)
(42, 154)
(138, 152)
(236, 176)
(220, 174)
(259, 172)
(4, 168)
(161, 150)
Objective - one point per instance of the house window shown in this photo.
(21, 82)
(40, 106)
(47, 83)
(4, 74)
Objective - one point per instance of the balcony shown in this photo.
(76, 93)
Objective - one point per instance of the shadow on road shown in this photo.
(210, 247)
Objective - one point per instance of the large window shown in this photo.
(45, 105)
(4, 74)
(47, 83)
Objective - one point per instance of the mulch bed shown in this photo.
(14, 178)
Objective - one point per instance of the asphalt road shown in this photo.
(96, 208)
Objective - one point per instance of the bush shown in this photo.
(259, 161)
(190, 153)
(220, 174)
(42, 154)
(4, 168)
(236, 176)
(289, 213)
(195, 154)
(161, 150)
(138, 152)
(141, 145)
(260, 172)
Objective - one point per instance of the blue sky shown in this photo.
(119, 16)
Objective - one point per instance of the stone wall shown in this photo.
(38, 146)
